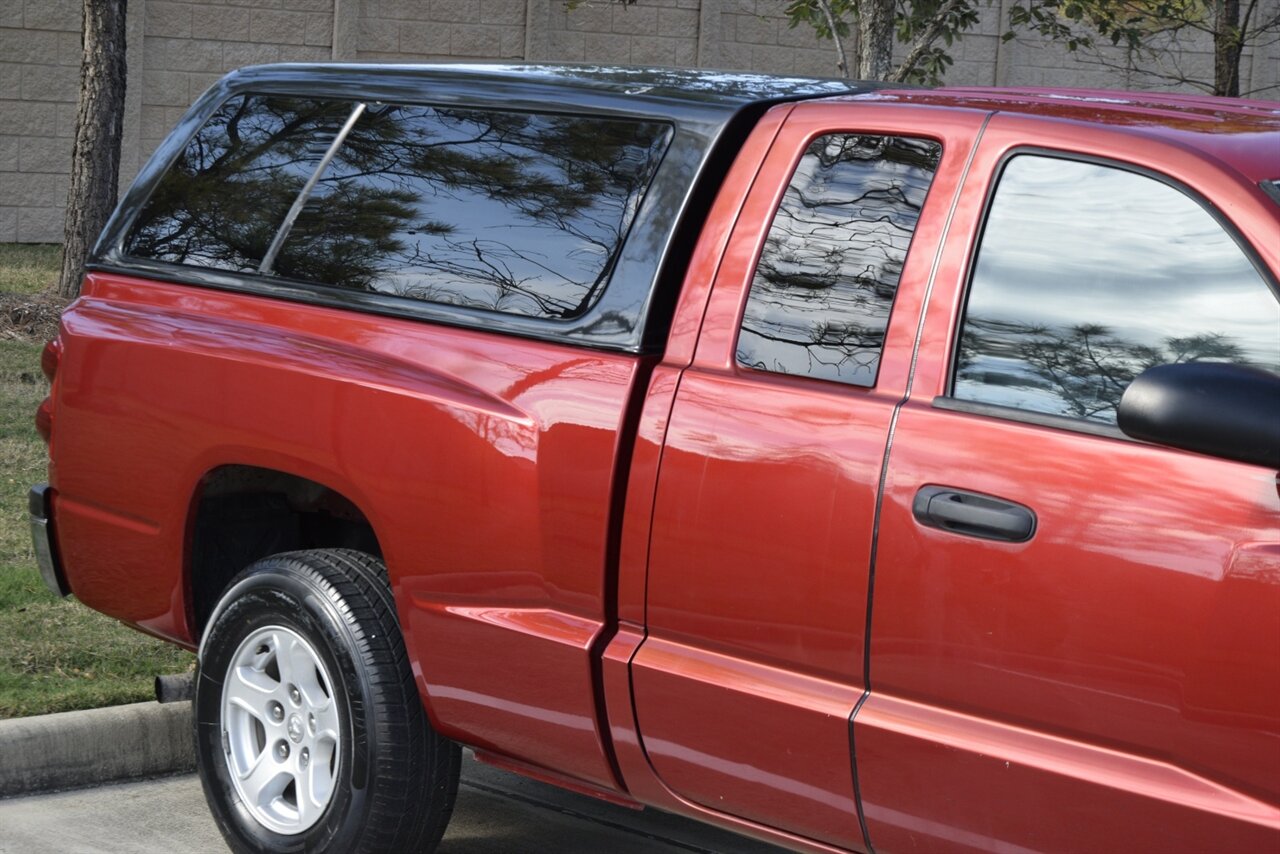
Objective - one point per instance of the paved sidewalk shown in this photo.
(497, 813)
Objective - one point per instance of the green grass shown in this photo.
(27, 268)
(55, 654)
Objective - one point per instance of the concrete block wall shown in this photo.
(177, 48)
(39, 75)
(753, 34)
(415, 30)
(651, 32)
(187, 46)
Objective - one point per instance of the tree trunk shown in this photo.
(875, 39)
(95, 160)
(1227, 47)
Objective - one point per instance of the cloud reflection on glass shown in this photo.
(1088, 275)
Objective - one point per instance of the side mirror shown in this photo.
(1225, 410)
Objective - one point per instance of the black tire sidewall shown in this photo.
(283, 592)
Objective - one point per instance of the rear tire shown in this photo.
(310, 733)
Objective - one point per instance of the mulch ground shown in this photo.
(30, 317)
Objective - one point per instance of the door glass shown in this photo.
(1087, 275)
(821, 296)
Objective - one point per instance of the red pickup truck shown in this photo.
(855, 468)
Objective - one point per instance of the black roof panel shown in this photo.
(655, 91)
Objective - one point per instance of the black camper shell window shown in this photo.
(514, 212)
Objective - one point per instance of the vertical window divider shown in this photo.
(269, 259)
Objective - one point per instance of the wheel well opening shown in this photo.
(245, 513)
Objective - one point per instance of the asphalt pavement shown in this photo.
(497, 813)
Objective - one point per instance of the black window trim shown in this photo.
(1272, 189)
(948, 401)
(1027, 416)
(749, 371)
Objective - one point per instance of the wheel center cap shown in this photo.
(295, 728)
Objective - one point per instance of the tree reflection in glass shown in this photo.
(823, 289)
(222, 201)
(514, 212)
(1088, 275)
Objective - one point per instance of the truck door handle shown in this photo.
(974, 515)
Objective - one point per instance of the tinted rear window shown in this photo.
(223, 200)
(513, 212)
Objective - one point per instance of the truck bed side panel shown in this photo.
(483, 462)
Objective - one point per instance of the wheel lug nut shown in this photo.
(282, 750)
(311, 723)
(276, 711)
(295, 695)
(304, 757)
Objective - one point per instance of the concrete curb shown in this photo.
(73, 749)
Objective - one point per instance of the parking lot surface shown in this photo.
(497, 813)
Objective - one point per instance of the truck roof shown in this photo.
(709, 113)
(1242, 133)
(672, 93)
(1238, 131)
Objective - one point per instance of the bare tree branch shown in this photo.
(843, 65)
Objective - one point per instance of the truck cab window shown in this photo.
(820, 300)
(1087, 275)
